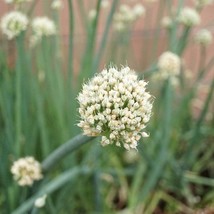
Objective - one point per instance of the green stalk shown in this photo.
(70, 44)
(158, 166)
(173, 33)
(51, 187)
(202, 59)
(63, 151)
(190, 177)
(191, 93)
(183, 40)
(18, 102)
(86, 68)
(102, 46)
(191, 153)
(59, 182)
(161, 7)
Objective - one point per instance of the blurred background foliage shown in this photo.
(173, 169)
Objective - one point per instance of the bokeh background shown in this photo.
(173, 169)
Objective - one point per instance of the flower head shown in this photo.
(26, 171)
(189, 17)
(116, 106)
(204, 37)
(168, 65)
(127, 15)
(43, 26)
(13, 23)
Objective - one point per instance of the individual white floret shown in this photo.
(13, 23)
(40, 202)
(189, 17)
(120, 110)
(166, 22)
(204, 37)
(26, 170)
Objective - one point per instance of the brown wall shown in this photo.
(143, 35)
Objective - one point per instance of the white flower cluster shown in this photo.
(116, 106)
(56, 4)
(26, 171)
(13, 23)
(203, 3)
(16, 1)
(204, 37)
(168, 65)
(127, 15)
(189, 17)
(42, 26)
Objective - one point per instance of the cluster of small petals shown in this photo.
(16, 1)
(189, 17)
(116, 106)
(13, 23)
(127, 15)
(26, 171)
(204, 37)
(203, 3)
(56, 4)
(168, 65)
(43, 26)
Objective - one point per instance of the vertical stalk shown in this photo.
(86, 68)
(102, 46)
(156, 171)
(18, 102)
(70, 44)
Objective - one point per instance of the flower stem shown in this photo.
(64, 150)
(104, 37)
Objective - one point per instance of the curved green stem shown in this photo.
(64, 150)
(51, 187)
